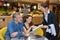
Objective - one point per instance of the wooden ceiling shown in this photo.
(32, 1)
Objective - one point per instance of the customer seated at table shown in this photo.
(15, 27)
(28, 24)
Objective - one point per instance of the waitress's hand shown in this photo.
(45, 26)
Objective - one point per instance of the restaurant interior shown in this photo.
(8, 8)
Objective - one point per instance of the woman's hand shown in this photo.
(33, 27)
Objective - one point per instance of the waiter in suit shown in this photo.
(50, 22)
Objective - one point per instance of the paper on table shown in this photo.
(37, 27)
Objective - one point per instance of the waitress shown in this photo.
(49, 21)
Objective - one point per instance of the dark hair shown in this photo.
(25, 17)
(45, 5)
(15, 15)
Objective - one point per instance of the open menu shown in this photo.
(38, 30)
(39, 26)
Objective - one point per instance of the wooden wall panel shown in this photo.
(37, 19)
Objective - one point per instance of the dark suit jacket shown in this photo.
(51, 20)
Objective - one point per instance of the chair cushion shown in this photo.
(2, 33)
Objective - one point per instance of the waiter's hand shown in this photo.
(45, 26)
(14, 34)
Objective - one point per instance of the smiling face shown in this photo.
(29, 19)
(43, 9)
